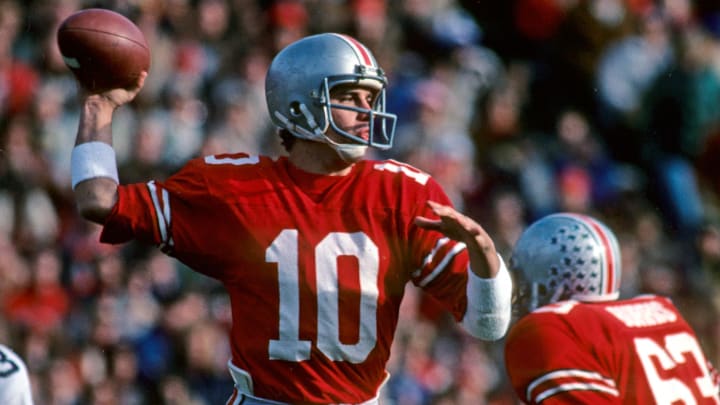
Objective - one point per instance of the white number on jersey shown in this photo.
(397, 167)
(676, 350)
(284, 251)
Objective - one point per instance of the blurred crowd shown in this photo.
(519, 108)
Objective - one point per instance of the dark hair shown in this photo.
(288, 139)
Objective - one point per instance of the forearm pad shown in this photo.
(488, 312)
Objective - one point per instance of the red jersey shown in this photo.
(635, 351)
(315, 266)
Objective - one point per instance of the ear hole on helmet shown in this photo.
(295, 109)
(542, 290)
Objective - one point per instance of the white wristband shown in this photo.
(489, 304)
(91, 160)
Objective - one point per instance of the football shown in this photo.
(103, 49)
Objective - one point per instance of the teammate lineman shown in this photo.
(580, 344)
(315, 248)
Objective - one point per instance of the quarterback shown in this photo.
(314, 248)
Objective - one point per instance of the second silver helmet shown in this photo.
(566, 256)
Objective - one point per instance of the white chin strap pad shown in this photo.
(350, 153)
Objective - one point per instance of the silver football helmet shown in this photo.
(298, 84)
(565, 256)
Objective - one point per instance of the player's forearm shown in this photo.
(95, 120)
(484, 260)
(94, 170)
(96, 198)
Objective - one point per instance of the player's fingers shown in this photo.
(133, 90)
(427, 223)
(141, 80)
(439, 209)
(447, 214)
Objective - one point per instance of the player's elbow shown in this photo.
(93, 213)
(95, 199)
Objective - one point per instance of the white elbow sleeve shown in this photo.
(91, 160)
(488, 310)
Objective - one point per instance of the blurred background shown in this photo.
(519, 109)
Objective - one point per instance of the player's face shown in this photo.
(354, 122)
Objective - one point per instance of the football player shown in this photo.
(15, 386)
(314, 248)
(580, 344)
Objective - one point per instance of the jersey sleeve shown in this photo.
(133, 217)
(547, 364)
(440, 262)
(165, 214)
(144, 210)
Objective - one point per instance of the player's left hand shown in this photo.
(459, 227)
(451, 223)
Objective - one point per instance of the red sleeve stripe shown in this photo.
(560, 381)
(360, 50)
(235, 398)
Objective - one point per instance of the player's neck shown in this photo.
(318, 158)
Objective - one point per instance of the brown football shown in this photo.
(103, 49)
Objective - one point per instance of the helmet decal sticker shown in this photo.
(566, 256)
(610, 255)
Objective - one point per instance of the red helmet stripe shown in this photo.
(610, 253)
(360, 50)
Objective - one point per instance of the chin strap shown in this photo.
(317, 134)
(311, 120)
(350, 153)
